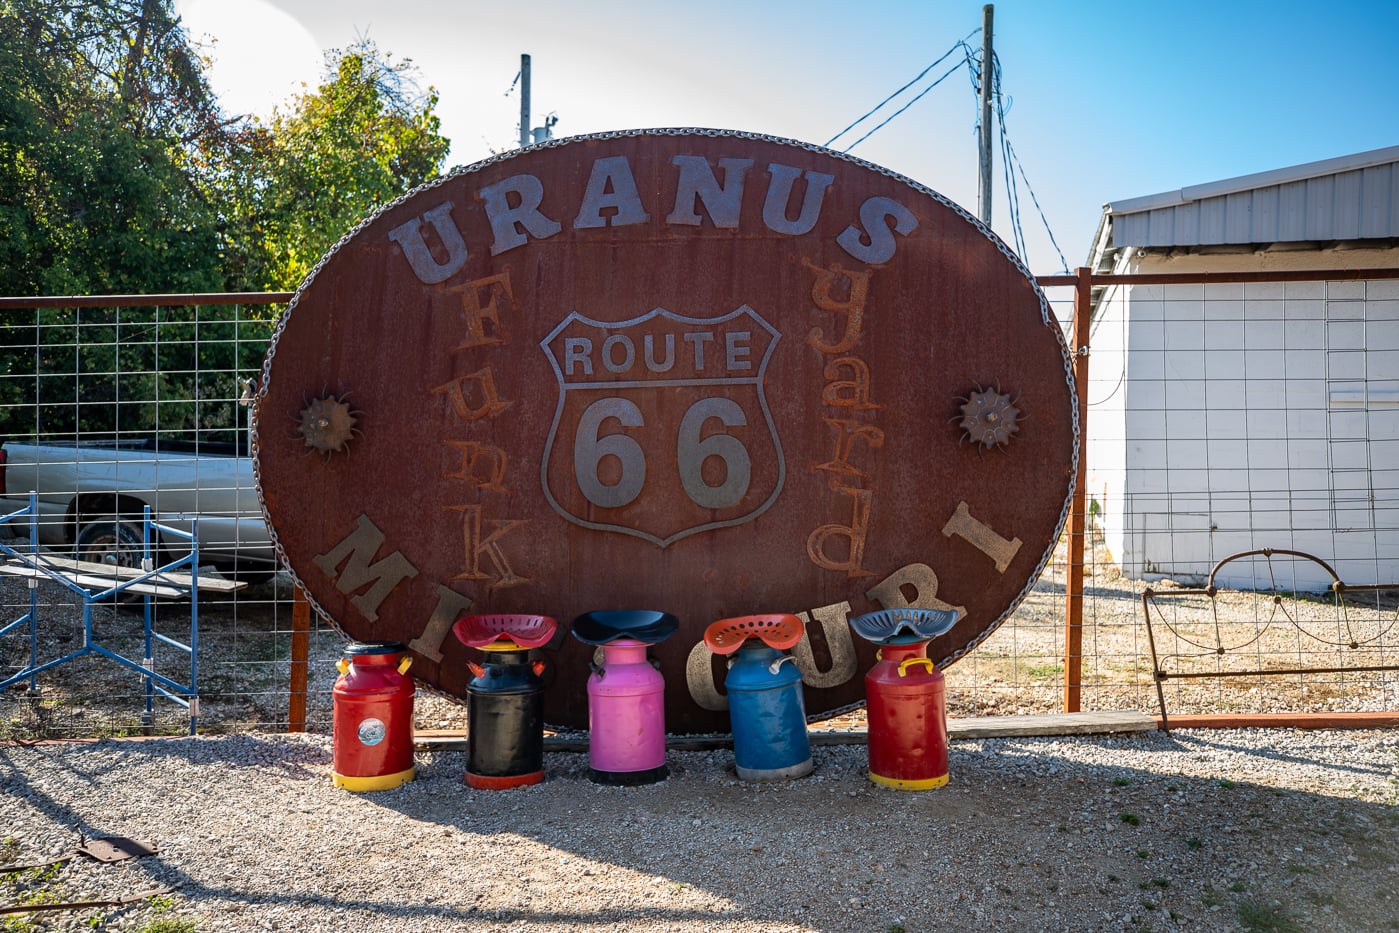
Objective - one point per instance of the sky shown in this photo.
(1105, 101)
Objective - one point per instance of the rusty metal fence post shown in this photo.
(1078, 512)
(300, 655)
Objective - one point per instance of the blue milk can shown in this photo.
(766, 710)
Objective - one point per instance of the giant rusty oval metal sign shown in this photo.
(705, 372)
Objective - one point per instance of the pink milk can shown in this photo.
(626, 696)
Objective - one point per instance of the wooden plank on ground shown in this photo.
(115, 574)
(1328, 720)
(1095, 723)
(95, 583)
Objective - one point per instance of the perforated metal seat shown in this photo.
(903, 626)
(778, 630)
(519, 631)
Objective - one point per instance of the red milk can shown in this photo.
(373, 719)
(906, 699)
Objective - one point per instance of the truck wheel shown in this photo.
(113, 542)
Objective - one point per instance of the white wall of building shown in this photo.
(1249, 416)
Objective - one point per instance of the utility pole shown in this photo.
(984, 201)
(524, 101)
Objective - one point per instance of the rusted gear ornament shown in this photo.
(989, 418)
(328, 424)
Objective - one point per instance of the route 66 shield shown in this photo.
(662, 428)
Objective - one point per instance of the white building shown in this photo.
(1229, 417)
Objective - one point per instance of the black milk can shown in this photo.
(505, 700)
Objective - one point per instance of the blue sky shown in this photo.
(1107, 101)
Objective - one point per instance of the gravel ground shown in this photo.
(1212, 830)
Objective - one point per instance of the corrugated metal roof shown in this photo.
(1348, 198)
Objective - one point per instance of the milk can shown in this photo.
(505, 700)
(626, 696)
(905, 698)
(372, 723)
(766, 711)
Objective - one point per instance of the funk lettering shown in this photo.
(491, 404)
(477, 314)
(476, 546)
(473, 456)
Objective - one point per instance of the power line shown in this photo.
(915, 100)
(1063, 263)
(1011, 164)
(875, 109)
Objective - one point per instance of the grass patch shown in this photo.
(1044, 670)
(1259, 918)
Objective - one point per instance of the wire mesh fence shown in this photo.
(1230, 417)
(1220, 419)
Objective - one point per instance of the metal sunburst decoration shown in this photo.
(988, 418)
(328, 424)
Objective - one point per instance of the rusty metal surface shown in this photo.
(116, 849)
(708, 373)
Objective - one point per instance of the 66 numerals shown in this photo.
(692, 449)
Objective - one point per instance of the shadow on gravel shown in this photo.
(1202, 741)
(1156, 831)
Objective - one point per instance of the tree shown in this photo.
(361, 139)
(119, 175)
(103, 111)
(104, 118)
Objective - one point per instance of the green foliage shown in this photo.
(360, 140)
(119, 175)
(102, 108)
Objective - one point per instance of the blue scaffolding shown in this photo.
(95, 583)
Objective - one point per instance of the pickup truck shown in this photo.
(92, 497)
